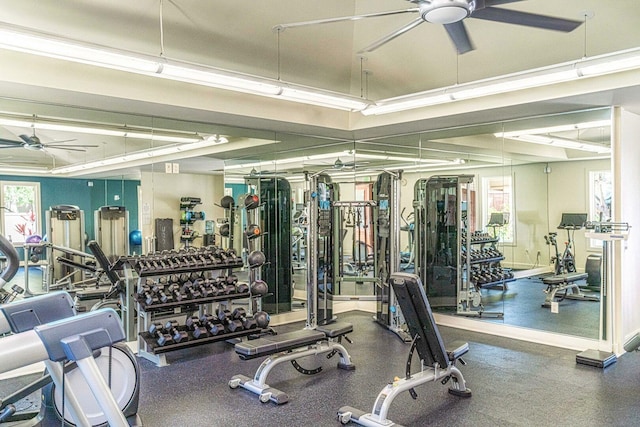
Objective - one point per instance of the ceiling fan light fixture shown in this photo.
(446, 11)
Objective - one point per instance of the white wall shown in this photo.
(626, 277)
(161, 194)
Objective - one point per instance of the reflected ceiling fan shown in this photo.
(33, 143)
(451, 14)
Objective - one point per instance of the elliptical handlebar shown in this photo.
(13, 261)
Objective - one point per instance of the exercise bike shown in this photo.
(31, 404)
(564, 263)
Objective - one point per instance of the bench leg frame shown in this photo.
(572, 291)
(378, 416)
(258, 384)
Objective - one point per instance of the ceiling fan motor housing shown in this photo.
(445, 11)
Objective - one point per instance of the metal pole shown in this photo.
(312, 252)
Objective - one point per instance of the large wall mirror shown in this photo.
(520, 177)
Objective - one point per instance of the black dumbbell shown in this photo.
(162, 338)
(172, 329)
(241, 315)
(158, 290)
(242, 288)
(211, 289)
(224, 286)
(194, 324)
(148, 296)
(174, 290)
(212, 324)
(191, 291)
(226, 317)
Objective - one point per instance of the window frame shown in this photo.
(6, 213)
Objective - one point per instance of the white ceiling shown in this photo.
(239, 37)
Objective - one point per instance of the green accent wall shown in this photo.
(87, 194)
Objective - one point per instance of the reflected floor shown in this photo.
(522, 303)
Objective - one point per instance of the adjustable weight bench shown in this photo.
(289, 347)
(568, 283)
(437, 363)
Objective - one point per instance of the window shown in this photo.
(498, 199)
(20, 213)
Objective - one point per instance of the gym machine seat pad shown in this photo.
(564, 278)
(268, 345)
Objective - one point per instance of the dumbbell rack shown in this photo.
(152, 269)
(486, 258)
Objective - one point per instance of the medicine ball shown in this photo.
(227, 202)
(262, 319)
(252, 201)
(259, 288)
(256, 259)
(253, 231)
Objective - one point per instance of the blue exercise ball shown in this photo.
(135, 238)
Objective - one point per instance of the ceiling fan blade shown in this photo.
(458, 34)
(9, 146)
(10, 142)
(58, 145)
(63, 140)
(281, 27)
(481, 4)
(386, 39)
(527, 19)
(25, 138)
(48, 147)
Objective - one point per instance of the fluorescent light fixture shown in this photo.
(324, 99)
(289, 160)
(562, 143)
(555, 129)
(42, 44)
(544, 136)
(193, 73)
(559, 73)
(134, 158)
(99, 129)
(399, 158)
(24, 170)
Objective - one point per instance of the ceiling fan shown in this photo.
(451, 14)
(33, 143)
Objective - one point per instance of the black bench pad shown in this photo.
(564, 278)
(337, 329)
(276, 343)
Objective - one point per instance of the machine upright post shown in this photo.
(312, 251)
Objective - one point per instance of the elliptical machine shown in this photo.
(29, 405)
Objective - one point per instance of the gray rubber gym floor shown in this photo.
(513, 383)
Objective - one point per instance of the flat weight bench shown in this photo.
(289, 347)
(437, 363)
(568, 283)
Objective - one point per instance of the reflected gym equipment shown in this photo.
(112, 230)
(443, 221)
(271, 202)
(64, 228)
(324, 248)
(386, 222)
